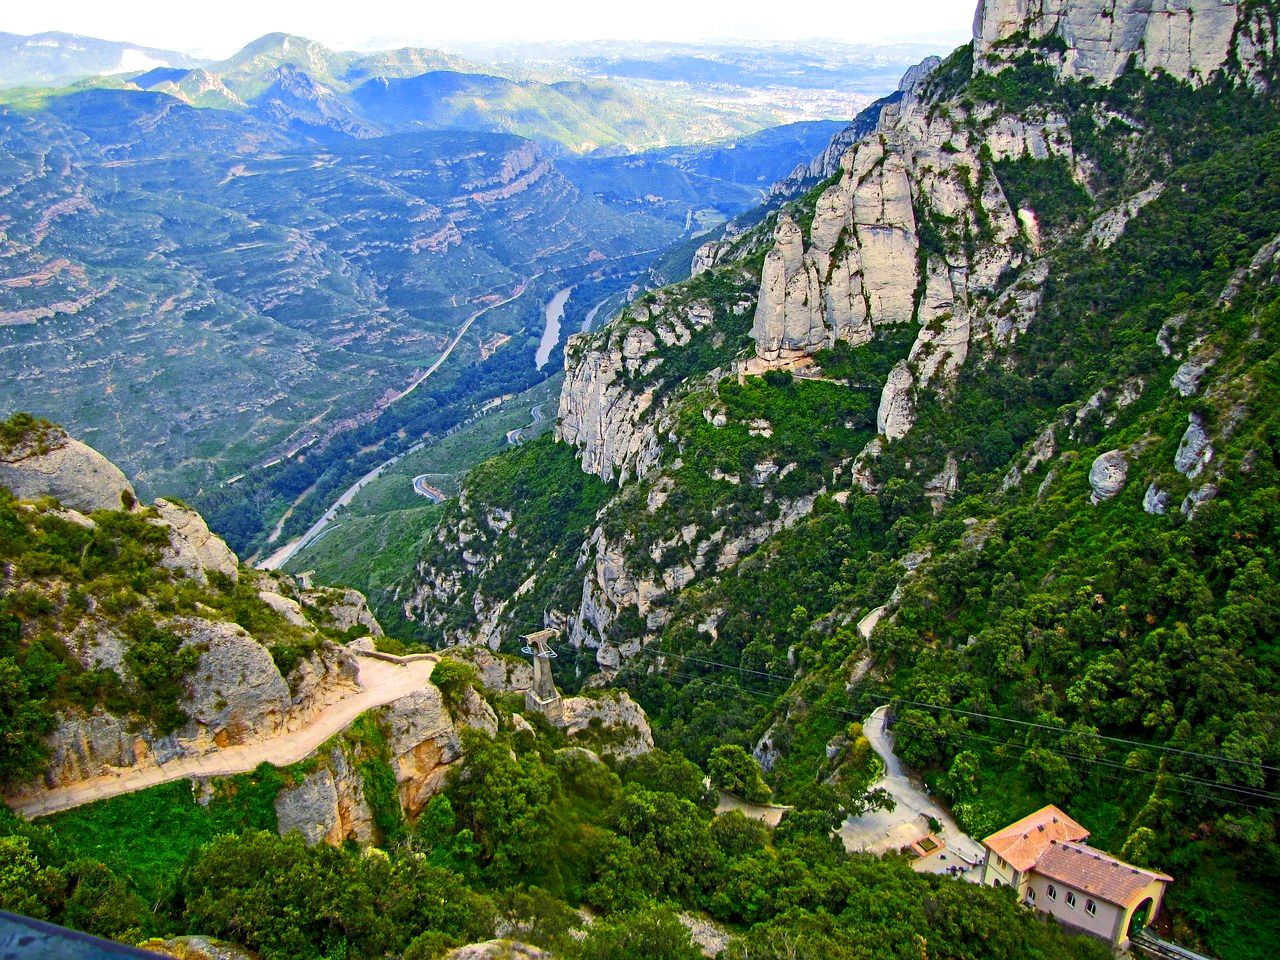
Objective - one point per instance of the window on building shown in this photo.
(1091, 908)
(1071, 900)
(1052, 891)
(1031, 895)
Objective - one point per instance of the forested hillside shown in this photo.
(1020, 397)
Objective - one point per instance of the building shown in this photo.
(1045, 858)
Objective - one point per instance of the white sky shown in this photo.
(219, 29)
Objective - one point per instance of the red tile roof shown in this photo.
(1096, 873)
(1023, 842)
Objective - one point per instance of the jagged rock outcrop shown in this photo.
(343, 608)
(499, 673)
(614, 723)
(613, 378)
(328, 805)
(1194, 451)
(599, 411)
(423, 742)
(1155, 500)
(1107, 475)
(707, 256)
(896, 414)
(193, 547)
(1102, 39)
(789, 318)
(49, 463)
(859, 270)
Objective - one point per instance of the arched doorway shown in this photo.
(1141, 916)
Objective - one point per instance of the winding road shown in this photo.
(879, 831)
(381, 681)
(284, 554)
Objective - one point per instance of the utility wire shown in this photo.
(1137, 774)
(1216, 758)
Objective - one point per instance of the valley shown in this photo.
(616, 524)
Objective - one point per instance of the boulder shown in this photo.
(48, 463)
(1155, 500)
(1194, 451)
(287, 607)
(1107, 475)
(193, 547)
(614, 724)
(423, 742)
(238, 692)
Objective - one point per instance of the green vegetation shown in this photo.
(551, 504)
(525, 833)
(735, 771)
(374, 543)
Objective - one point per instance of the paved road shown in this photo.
(284, 554)
(424, 489)
(381, 682)
(881, 830)
(769, 814)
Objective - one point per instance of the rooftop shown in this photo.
(1023, 843)
(1096, 873)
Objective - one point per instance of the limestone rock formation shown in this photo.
(423, 742)
(1194, 451)
(1107, 475)
(344, 608)
(707, 256)
(240, 693)
(48, 463)
(1155, 500)
(498, 950)
(1099, 40)
(499, 673)
(613, 723)
(897, 411)
(328, 805)
(287, 607)
(193, 547)
(789, 318)
(600, 412)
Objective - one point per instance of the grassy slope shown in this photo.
(375, 542)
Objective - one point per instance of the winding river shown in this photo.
(551, 332)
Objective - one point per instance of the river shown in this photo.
(551, 332)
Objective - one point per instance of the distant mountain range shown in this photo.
(51, 58)
(298, 83)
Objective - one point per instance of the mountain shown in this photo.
(391, 91)
(42, 59)
(980, 425)
(210, 760)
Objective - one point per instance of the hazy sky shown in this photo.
(221, 28)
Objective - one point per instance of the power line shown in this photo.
(988, 716)
(1135, 773)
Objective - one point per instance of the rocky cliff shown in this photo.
(1188, 39)
(928, 249)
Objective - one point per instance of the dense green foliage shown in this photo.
(525, 833)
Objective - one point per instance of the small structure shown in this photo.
(543, 695)
(1046, 860)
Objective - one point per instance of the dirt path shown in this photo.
(381, 681)
(882, 830)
